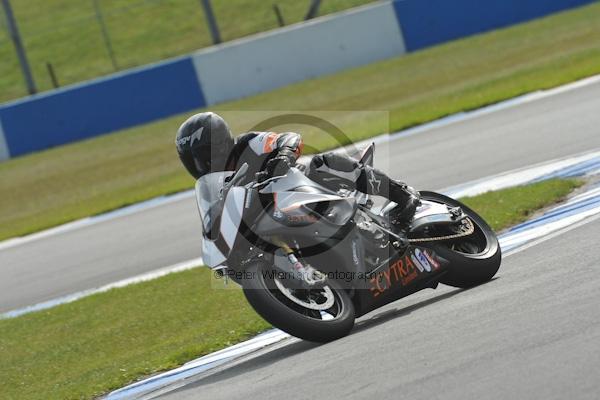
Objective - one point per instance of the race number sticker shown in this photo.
(411, 267)
(432, 260)
(422, 260)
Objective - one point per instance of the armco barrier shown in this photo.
(426, 23)
(100, 106)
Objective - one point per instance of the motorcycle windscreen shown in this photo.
(209, 193)
(221, 216)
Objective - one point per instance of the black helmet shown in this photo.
(204, 143)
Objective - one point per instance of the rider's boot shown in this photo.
(408, 199)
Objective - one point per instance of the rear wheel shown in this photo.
(475, 258)
(321, 314)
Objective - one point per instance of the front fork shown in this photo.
(294, 268)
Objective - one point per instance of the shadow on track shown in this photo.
(253, 364)
(296, 347)
(384, 316)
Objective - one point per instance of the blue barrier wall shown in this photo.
(101, 106)
(252, 65)
(426, 23)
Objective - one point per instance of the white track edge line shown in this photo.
(233, 353)
(196, 262)
(182, 266)
(383, 138)
(551, 235)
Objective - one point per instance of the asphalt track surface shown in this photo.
(103, 253)
(531, 333)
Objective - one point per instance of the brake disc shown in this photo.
(327, 293)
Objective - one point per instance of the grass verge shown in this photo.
(504, 208)
(140, 32)
(102, 342)
(58, 185)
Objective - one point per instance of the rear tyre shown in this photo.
(318, 315)
(474, 259)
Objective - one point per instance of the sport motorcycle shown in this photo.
(312, 259)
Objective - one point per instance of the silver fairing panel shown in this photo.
(291, 201)
(232, 214)
(431, 213)
(220, 217)
(292, 180)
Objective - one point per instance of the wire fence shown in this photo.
(68, 41)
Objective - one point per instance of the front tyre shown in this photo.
(474, 259)
(318, 315)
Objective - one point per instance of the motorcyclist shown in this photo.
(205, 144)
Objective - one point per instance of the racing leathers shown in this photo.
(339, 170)
(267, 152)
(276, 153)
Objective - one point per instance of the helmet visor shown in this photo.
(210, 158)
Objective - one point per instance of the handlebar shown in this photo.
(238, 176)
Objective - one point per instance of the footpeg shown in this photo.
(401, 243)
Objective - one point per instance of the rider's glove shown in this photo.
(262, 176)
(281, 164)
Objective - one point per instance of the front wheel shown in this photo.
(319, 315)
(474, 259)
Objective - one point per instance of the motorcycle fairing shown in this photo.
(386, 284)
(428, 213)
(292, 180)
(220, 219)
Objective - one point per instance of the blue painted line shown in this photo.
(559, 213)
(568, 209)
(154, 384)
(584, 168)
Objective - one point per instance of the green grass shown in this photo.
(508, 207)
(103, 342)
(85, 178)
(67, 34)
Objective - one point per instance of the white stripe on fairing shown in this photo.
(232, 214)
(4, 152)
(182, 266)
(162, 200)
(510, 242)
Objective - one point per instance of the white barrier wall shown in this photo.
(4, 153)
(296, 53)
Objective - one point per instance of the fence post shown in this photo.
(13, 30)
(105, 37)
(52, 74)
(313, 10)
(212, 21)
(279, 15)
